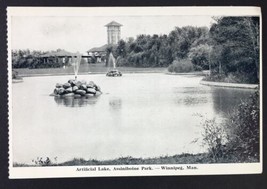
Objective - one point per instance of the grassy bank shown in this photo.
(84, 69)
(185, 158)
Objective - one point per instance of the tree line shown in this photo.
(229, 48)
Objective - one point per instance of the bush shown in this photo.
(121, 62)
(214, 136)
(181, 66)
(243, 125)
(237, 139)
(232, 77)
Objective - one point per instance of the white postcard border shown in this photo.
(143, 170)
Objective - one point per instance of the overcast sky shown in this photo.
(82, 33)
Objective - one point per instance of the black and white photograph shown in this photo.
(134, 91)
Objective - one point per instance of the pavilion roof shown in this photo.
(99, 49)
(113, 23)
(59, 53)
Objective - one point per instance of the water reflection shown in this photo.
(225, 99)
(191, 96)
(115, 103)
(191, 100)
(75, 102)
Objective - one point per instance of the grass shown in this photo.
(185, 158)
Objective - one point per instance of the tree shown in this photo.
(121, 48)
(238, 38)
(200, 56)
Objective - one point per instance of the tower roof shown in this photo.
(113, 23)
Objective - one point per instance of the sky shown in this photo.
(81, 33)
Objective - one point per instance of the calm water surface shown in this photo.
(138, 115)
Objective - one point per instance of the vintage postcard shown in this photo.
(134, 91)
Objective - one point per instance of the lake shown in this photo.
(138, 115)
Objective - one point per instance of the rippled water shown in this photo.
(138, 115)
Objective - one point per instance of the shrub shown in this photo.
(243, 125)
(181, 66)
(237, 139)
(232, 77)
(121, 62)
(214, 137)
(15, 75)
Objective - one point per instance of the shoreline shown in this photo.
(229, 85)
(84, 70)
(131, 70)
(188, 73)
(86, 73)
(184, 158)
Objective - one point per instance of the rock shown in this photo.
(72, 82)
(74, 88)
(78, 84)
(68, 90)
(77, 96)
(67, 85)
(98, 93)
(91, 90)
(68, 95)
(92, 83)
(90, 86)
(83, 87)
(58, 85)
(89, 95)
(61, 91)
(114, 73)
(80, 92)
(83, 82)
(56, 90)
(97, 88)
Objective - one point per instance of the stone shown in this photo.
(78, 84)
(83, 82)
(89, 95)
(68, 95)
(114, 73)
(92, 83)
(56, 90)
(74, 88)
(72, 82)
(97, 88)
(90, 86)
(91, 90)
(98, 93)
(77, 96)
(68, 90)
(61, 91)
(67, 85)
(58, 85)
(80, 92)
(83, 87)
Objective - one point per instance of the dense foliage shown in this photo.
(162, 50)
(230, 48)
(235, 49)
(32, 59)
(182, 66)
(237, 139)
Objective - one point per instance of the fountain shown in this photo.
(75, 88)
(114, 72)
(75, 61)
